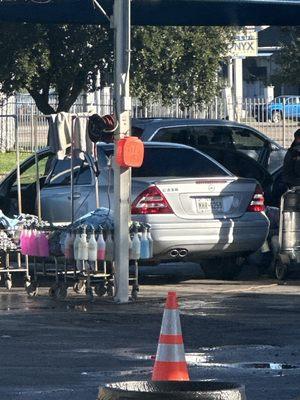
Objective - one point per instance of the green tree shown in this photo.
(178, 62)
(167, 62)
(63, 58)
(288, 58)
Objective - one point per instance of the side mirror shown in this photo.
(273, 147)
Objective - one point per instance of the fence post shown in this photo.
(31, 129)
(283, 123)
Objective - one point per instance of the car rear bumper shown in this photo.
(209, 239)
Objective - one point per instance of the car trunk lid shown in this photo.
(206, 198)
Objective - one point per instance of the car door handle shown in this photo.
(75, 196)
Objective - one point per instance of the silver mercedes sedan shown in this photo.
(197, 209)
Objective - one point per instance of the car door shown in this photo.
(250, 143)
(56, 194)
(9, 188)
(238, 149)
(209, 138)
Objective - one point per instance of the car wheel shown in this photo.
(222, 268)
(231, 267)
(276, 117)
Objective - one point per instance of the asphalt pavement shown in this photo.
(245, 331)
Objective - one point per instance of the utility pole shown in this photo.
(122, 176)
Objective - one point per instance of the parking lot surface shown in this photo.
(243, 331)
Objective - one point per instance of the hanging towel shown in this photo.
(81, 140)
(59, 136)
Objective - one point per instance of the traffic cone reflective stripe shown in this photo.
(171, 339)
(170, 363)
(171, 323)
(170, 353)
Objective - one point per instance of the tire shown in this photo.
(100, 289)
(280, 269)
(276, 117)
(61, 291)
(222, 268)
(79, 287)
(32, 289)
(231, 268)
(110, 290)
(134, 292)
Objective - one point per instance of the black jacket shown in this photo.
(291, 166)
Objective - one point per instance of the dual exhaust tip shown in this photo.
(178, 253)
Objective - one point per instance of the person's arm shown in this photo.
(288, 169)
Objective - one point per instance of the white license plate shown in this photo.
(209, 205)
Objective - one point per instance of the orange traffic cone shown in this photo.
(170, 363)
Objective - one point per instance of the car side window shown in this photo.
(292, 100)
(28, 176)
(177, 134)
(218, 136)
(196, 136)
(248, 142)
(61, 173)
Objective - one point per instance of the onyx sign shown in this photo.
(244, 45)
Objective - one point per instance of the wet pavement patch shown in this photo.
(271, 366)
(263, 366)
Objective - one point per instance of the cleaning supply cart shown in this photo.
(288, 257)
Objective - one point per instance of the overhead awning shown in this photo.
(156, 12)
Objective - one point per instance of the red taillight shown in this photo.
(151, 201)
(257, 203)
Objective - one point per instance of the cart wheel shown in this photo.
(281, 270)
(32, 289)
(52, 290)
(61, 291)
(135, 292)
(8, 283)
(100, 289)
(79, 287)
(110, 290)
(27, 282)
(90, 293)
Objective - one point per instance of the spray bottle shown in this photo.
(24, 240)
(144, 245)
(136, 245)
(43, 245)
(150, 240)
(101, 246)
(76, 244)
(109, 249)
(92, 247)
(83, 252)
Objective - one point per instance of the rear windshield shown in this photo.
(173, 162)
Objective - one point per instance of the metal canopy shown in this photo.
(156, 12)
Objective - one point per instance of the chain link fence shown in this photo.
(277, 119)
